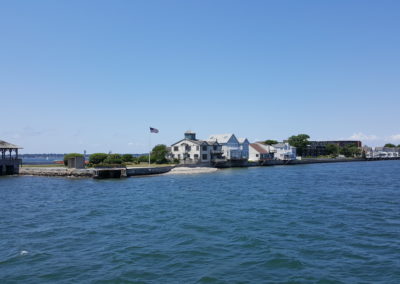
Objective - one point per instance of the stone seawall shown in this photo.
(56, 172)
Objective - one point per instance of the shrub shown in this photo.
(71, 155)
(145, 159)
(97, 158)
(127, 158)
(113, 159)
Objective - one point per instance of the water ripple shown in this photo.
(337, 223)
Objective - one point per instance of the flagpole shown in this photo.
(149, 146)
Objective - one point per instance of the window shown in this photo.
(256, 155)
(196, 156)
(204, 148)
(197, 148)
(205, 156)
(188, 148)
(179, 156)
(188, 155)
(215, 147)
(176, 148)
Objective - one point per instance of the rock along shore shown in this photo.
(56, 172)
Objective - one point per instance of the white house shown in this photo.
(193, 151)
(259, 152)
(283, 151)
(232, 148)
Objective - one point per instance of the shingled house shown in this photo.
(9, 161)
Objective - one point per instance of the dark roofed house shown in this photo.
(9, 161)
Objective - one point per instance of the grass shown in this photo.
(44, 166)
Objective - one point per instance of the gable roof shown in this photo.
(198, 142)
(258, 148)
(242, 140)
(6, 145)
(221, 138)
(279, 145)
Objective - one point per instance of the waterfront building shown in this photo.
(259, 152)
(283, 151)
(191, 150)
(383, 152)
(318, 148)
(244, 147)
(232, 148)
(9, 160)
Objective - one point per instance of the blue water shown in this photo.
(326, 223)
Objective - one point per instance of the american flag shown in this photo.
(153, 130)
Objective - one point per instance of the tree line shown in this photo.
(158, 155)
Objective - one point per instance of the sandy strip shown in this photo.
(188, 171)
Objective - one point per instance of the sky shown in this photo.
(95, 75)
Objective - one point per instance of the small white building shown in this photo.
(190, 150)
(232, 148)
(283, 151)
(259, 152)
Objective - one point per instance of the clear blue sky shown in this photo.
(95, 75)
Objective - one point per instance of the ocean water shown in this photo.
(325, 223)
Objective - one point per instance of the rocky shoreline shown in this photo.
(56, 172)
(66, 172)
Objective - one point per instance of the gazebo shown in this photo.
(9, 162)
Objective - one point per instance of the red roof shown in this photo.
(258, 148)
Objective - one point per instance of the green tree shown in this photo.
(71, 155)
(128, 158)
(332, 149)
(270, 142)
(390, 145)
(97, 158)
(159, 154)
(300, 142)
(350, 151)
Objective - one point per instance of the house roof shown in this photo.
(242, 140)
(221, 138)
(6, 145)
(279, 145)
(258, 148)
(198, 142)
